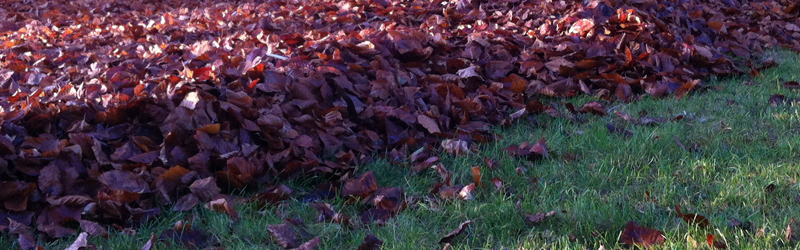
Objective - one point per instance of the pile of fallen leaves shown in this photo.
(112, 109)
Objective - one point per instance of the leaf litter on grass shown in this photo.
(140, 105)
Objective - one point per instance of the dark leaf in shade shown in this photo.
(452, 234)
(284, 235)
(309, 245)
(361, 187)
(124, 180)
(370, 243)
(205, 189)
(377, 215)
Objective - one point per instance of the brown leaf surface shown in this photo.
(452, 234)
(635, 235)
(284, 235)
(118, 114)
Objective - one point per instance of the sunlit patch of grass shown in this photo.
(738, 146)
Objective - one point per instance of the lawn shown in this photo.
(733, 158)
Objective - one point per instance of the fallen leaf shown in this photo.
(429, 124)
(361, 187)
(620, 131)
(283, 234)
(150, 243)
(452, 234)
(309, 245)
(538, 217)
(370, 243)
(476, 175)
(692, 218)
(791, 85)
(635, 235)
(595, 108)
(80, 243)
(221, 205)
(455, 147)
(205, 189)
(714, 243)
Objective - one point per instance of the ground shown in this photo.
(731, 158)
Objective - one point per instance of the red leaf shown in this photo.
(641, 236)
(791, 85)
(692, 218)
(476, 175)
(714, 243)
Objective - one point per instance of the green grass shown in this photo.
(744, 145)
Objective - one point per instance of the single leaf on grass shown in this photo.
(456, 147)
(498, 183)
(150, 243)
(273, 194)
(80, 243)
(532, 152)
(620, 131)
(777, 100)
(635, 235)
(466, 192)
(370, 243)
(791, 85)
(770, 188)
(188, 238)
(446, 175)
(688, 86)
(283, 234)
(378, 215)
(538, 217)
(789, 232)
(692, 218)
(309, 245)
(715, 243)
(595, 108)
(222, 205)
(460, 192)
(452, 234)
(491, 163)
(476, 175)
